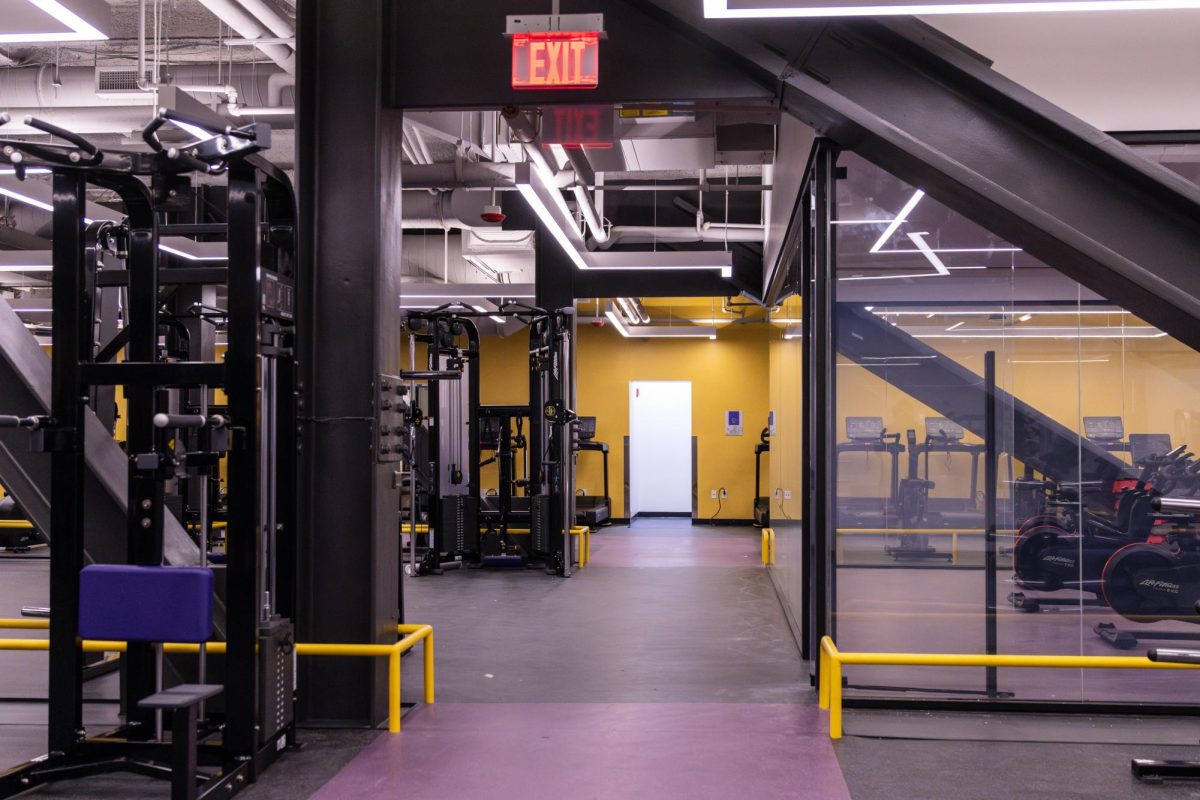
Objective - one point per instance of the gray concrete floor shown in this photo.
(667, 613)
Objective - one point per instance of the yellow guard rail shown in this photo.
(832, 660)
(410, 635)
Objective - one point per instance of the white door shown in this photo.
(660, 447)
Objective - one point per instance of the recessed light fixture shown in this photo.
(729, 9)
(53, 21)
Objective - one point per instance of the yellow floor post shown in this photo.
(394, 691)
(835, 699)
(429, 689)
(764, 546)
(771, 544)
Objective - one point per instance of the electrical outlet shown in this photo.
(714, 494)
(724, 495)
(787, 494)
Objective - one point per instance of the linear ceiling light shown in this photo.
(493, 317)
(657, 331)
(898, 221)
(21, 15)
(721, 8)
(553, 215)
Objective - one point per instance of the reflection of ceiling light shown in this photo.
(1025, 318)
(919, 240)
(892, 277)
(898, 221)
(1064, 361)
(616, 323)
(79, 29)
(956, 325)
(714, 9)
(793, 332)
(26, 268)
(30, 171)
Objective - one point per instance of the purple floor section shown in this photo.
(598, 750)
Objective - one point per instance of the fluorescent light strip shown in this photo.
(1034, 336)
(919, 240)
(892, 277)
(961, 249)
(956, 325)
(551, 224)
(449, 298)
(719, 9)
(25, 199)
(492, 317)
(81, 29)
(898, 221)
(1038, 311)
(612, 317)
(26, 268)
(30, 171)
(189, 256)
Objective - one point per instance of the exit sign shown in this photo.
(556, 60)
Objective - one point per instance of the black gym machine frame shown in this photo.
(255, 722)
(451, 339)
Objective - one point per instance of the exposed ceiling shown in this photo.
(1116, 70)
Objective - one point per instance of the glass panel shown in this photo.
(1089, 399)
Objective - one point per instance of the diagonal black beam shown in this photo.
(957, 393)
(936, 115)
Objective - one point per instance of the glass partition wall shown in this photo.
(984, 470)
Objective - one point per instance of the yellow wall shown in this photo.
(1153, 384)
(727, 374)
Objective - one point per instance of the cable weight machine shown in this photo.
(233, 723)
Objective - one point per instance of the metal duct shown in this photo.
(250, 27)
(76, 105)
(454, 209)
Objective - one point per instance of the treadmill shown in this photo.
(762, 505)
(592, 510)
(1107, 432)
(946, 437)
(868, 435)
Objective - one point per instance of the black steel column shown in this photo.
(821, 469)
(71, 321)
(348, 180)
(991, 455)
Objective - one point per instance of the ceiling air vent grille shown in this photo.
(110, 80)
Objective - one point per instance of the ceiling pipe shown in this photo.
(526, 133)
(648, 234)
(248, 26)
(458, 209)
(585, 176)
(275, 86)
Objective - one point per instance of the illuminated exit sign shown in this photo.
(556, 60)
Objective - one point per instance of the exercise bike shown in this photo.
(1070, 548)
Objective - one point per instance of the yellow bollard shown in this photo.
(394, 691)
(429, 667)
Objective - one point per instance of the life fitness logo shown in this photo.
(556, 60)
